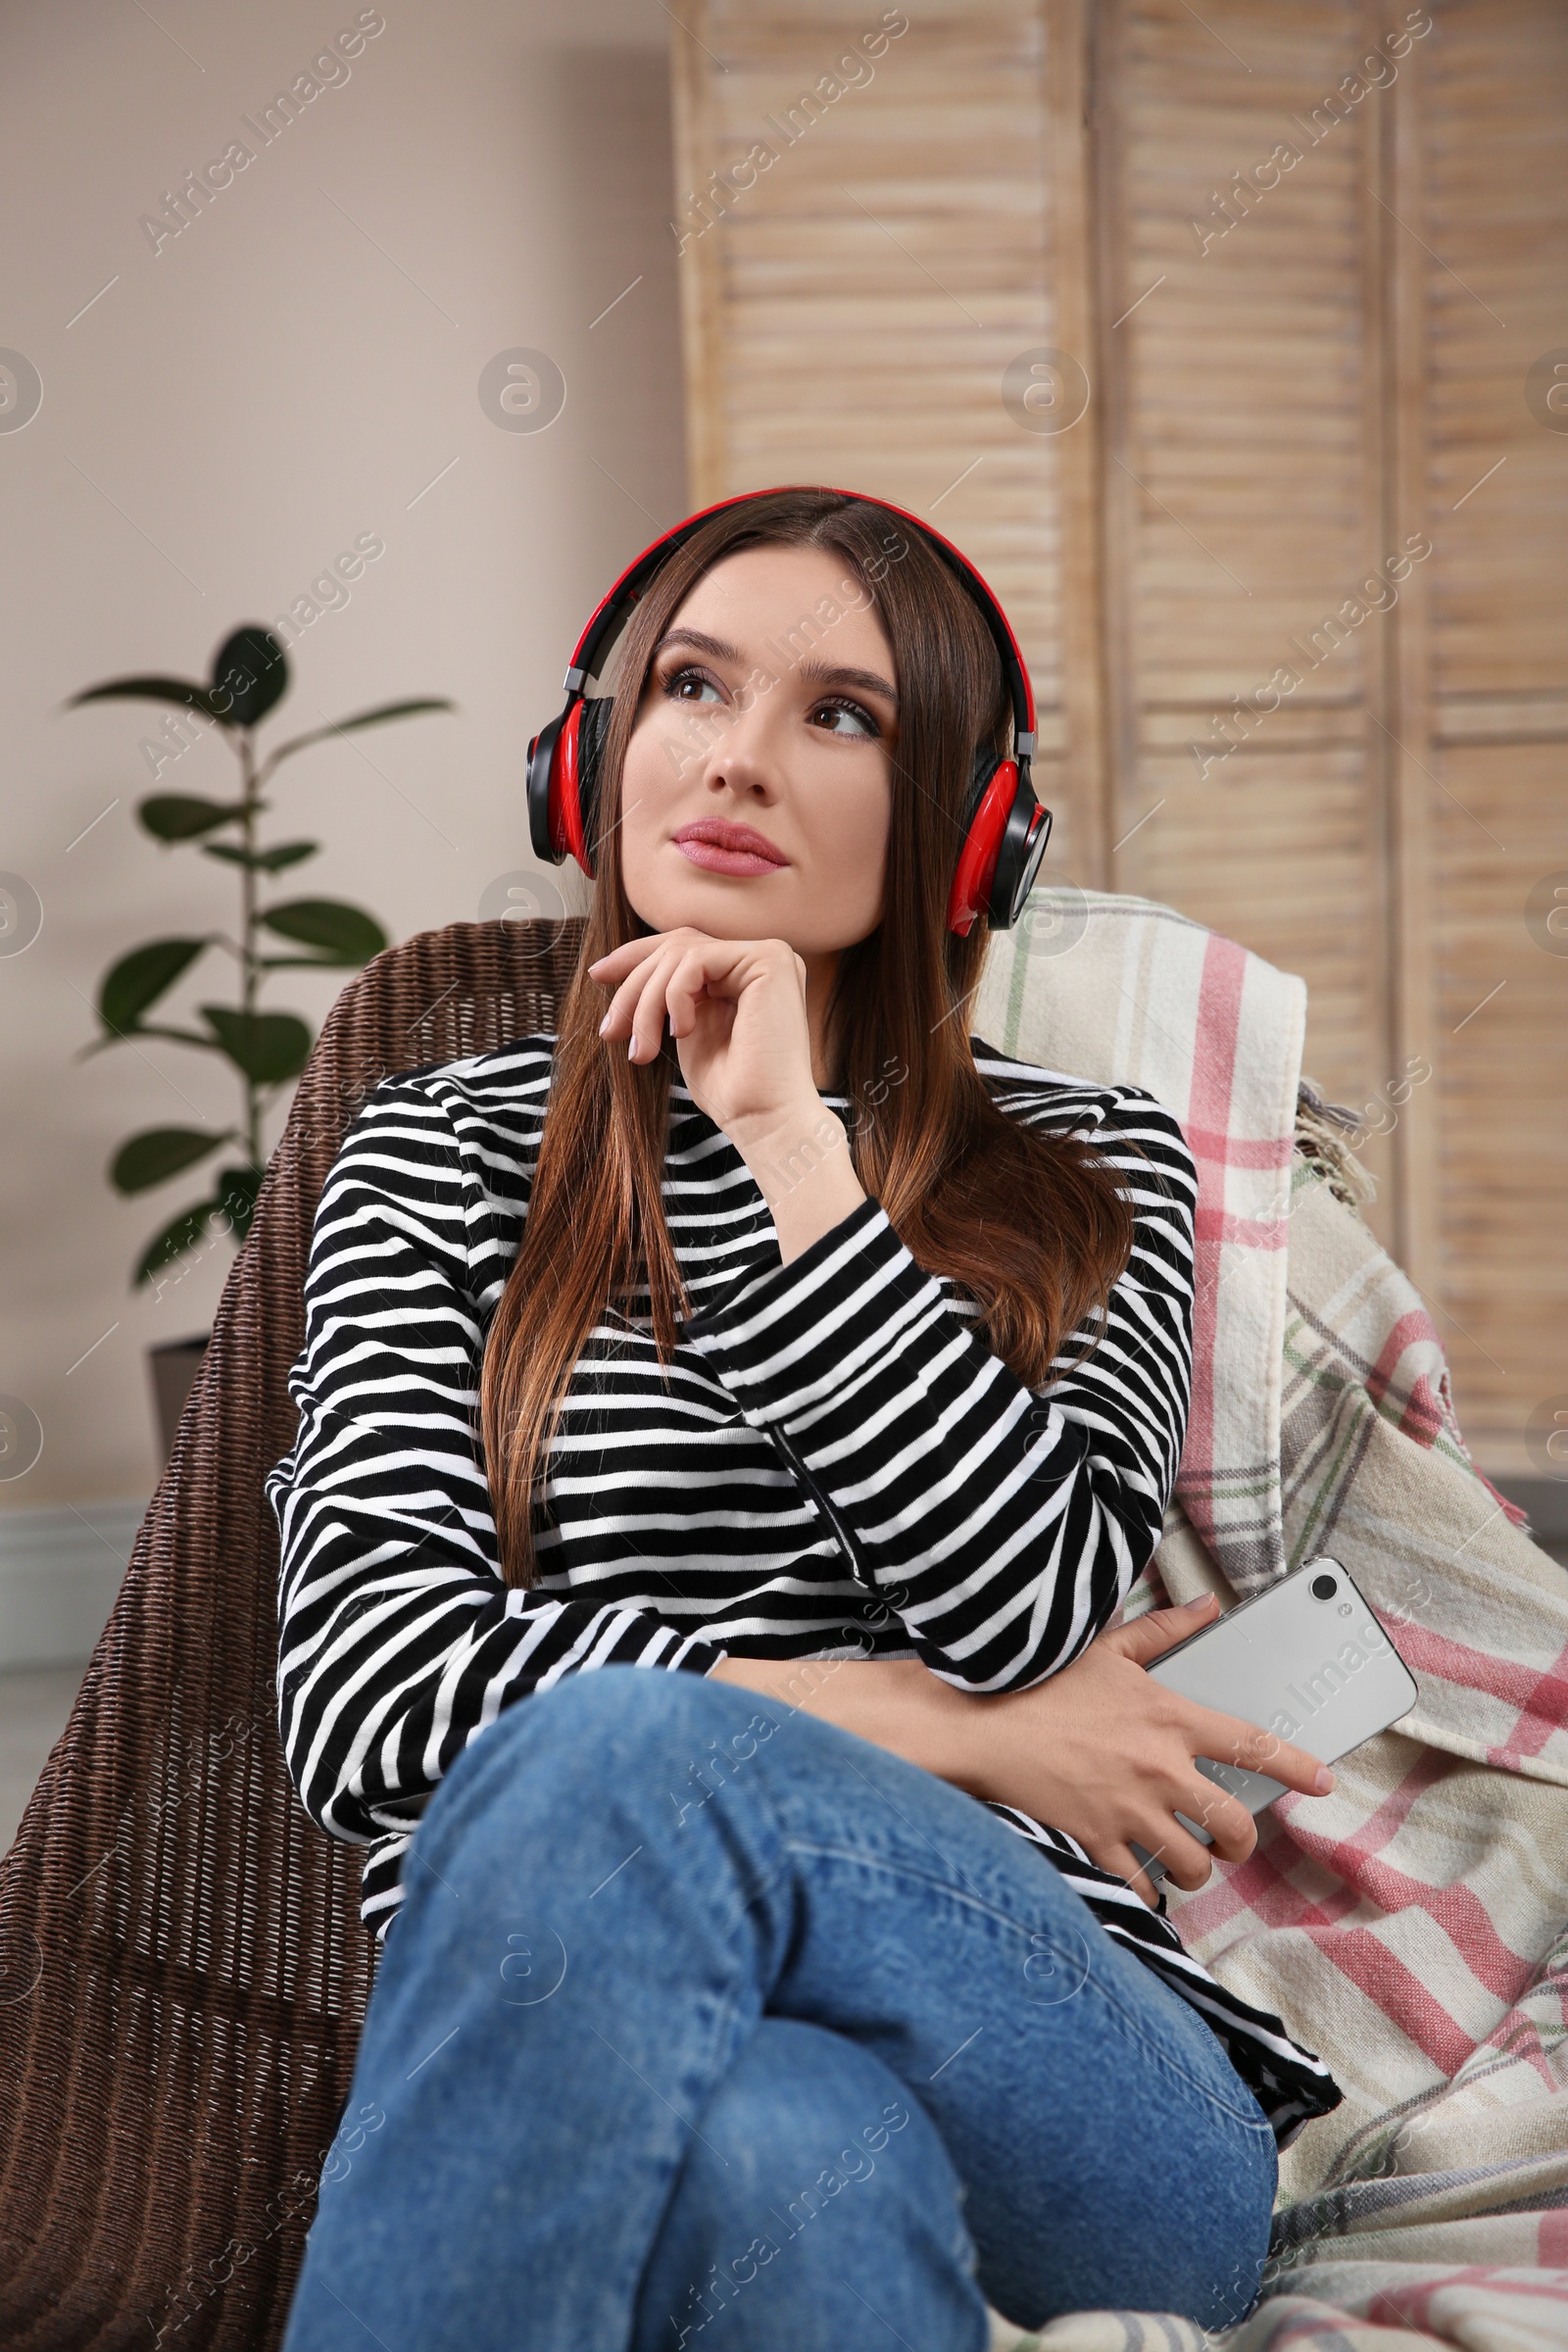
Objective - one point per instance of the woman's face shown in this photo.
(768, 719)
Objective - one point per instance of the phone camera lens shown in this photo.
(1324, 1588)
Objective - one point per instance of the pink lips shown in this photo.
(728, 849)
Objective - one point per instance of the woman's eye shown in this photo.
(690, 686)
(856, 721)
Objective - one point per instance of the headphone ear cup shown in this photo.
(543, 826)
(986, 765)
(977, 848)
(592, 736)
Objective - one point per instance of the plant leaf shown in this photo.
(250, 674)
(234, 1197)
(262, 862)
(268, 1046)
(183, 1234)
(183, 691)
(179, 816)
(140, 979)
(160, 1153)
(361, 718)
(344, 934)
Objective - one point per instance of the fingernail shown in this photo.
(1202, 1602)
(631, 1049)
(603, 1024)
(1325, 1779)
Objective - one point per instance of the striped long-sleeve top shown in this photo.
(836, 1464)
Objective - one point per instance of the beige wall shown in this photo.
(232, 412)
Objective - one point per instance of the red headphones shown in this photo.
(1005, 827)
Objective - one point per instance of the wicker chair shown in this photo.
(183, 1972)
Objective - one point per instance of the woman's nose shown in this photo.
(744, 752)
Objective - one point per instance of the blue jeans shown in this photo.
(702, 2018)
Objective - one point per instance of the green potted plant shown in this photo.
(266, 1050)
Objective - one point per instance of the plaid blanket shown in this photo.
(1415, 1933)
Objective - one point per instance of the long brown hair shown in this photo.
(1035, 1227)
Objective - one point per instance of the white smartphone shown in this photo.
(1307, 1660)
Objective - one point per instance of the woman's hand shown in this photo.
(736, 1009)
(1101, 1750)
(1105, 1751)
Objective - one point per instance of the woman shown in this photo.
(775, 2004)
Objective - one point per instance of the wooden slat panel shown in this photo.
(1496, 265)
(1500, 1025)
(1497, 292)
(1248, 357)
(850, 316)
(1245, 479)
(1401, 194)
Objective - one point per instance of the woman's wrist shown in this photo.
(804, 1173)
(896, 1703)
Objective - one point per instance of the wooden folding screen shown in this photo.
(1211, 338)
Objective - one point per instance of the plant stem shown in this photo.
(248, 959)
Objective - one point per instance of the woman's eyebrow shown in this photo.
(701, 643)
(822, 673)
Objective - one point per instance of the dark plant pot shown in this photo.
(175, 1365)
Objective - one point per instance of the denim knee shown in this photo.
(811, 2165)
(636, 1747)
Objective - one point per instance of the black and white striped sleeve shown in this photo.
(398, 1640)
(1004, 1525)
